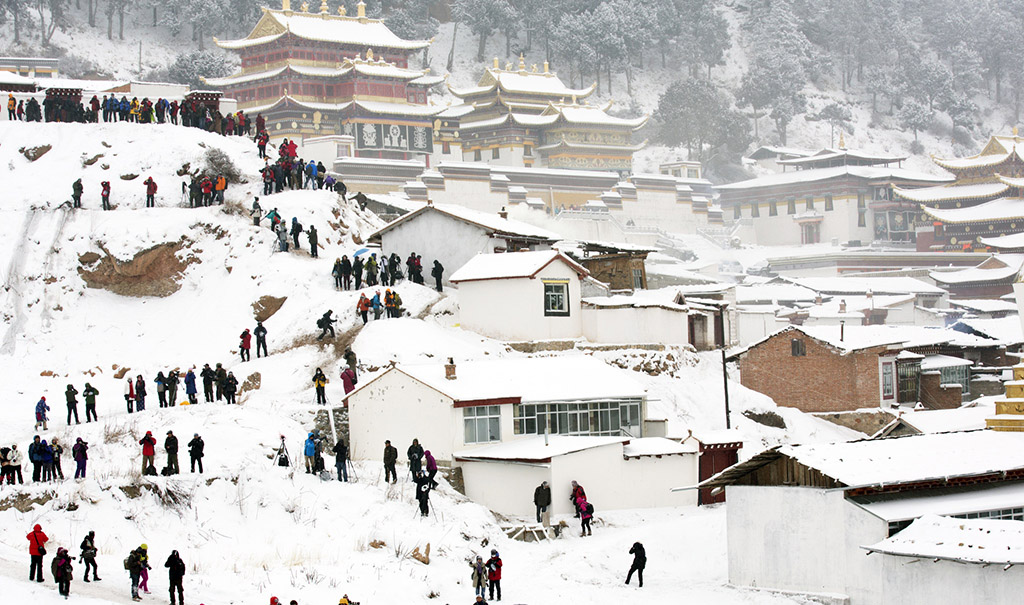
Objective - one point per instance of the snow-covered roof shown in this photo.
(934, 362)
(995, 268)
(863, 285)
(984, 305)
(534, 379)
(851, 338)
(773, 292)
(969, 417)
(511, 265)
(402, 109)
(827, 155)
(9, 77)
(981, 541)
(485, 220)
(911, 505)
(657, 446)
(952, 192)
(623, 300)
(85, 85)
(1005, 242)
(820, 174)
(534, 449)
(767, 151)
(586, 114)
(1003, 330)
(999, 209)
(978, 161)
(323, 27)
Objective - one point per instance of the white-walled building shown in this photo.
(492, 401)
(502, 476)
(521, 296)
(800, 517)
(455, 234)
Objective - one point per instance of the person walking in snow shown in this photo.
(129, 394)
(257, 212)
(208, 376)
(61, 567)
(45, 454)
(76, 194)
(320, 382)
(575, 495)
(309, 453)
(311, 234)
(243, 346)
(190, 386)
(282, 237)
(431, 468)
(350, 359)
(148, 444)
(341, 459)
(41, 410)
(105, 195)
(479, 576)
(88, 557)
(195, 452)
(135, 566)
(36, 549)
(80, 454)
(144, 572)
(639, 563)
(348, 379)
(390, 459)
(336, 274)
(414, 453)
(171, 447)
(150, 192)
(370, 267)
(494, 574)
(261, 339)
(586, 514)
(90, 392)
(175, 574)
(161, 389)
(230, 388)
(140, 393)
(437, 272)
(542, 499)
(363, 307)
(346, 273)
(377, 304)
(422, 492)
(14, 461)
(326, 324)
(72, 403)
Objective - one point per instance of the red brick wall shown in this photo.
(822, 381)
(934, 396)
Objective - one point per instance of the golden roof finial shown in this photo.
(533, 67)
(496, 66)
(369, 54)
(324, 8)
(508, 66)
(341, 10)
(361, 9)
(545, 67)
(522, 62)
(286, 5)
(574, 99)
(842, 140)
(1014, 131)
(305, 7)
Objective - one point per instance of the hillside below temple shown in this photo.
(527, 117)
(314, 74)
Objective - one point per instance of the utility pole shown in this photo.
(725, 385)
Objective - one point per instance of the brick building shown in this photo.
(841, 368)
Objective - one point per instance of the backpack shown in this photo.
(150, 471)
(320, 323)
(590, 508)
(127, 562)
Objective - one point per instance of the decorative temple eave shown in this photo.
(573, 113)
(997, 210)
(979, 161)
(953, 192)
(563, 145)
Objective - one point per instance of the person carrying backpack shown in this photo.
(175, 574)
(36, 549)
(60, 567)
(134, 565)
(494, 573)
(586, 514)
(320, 382)
(89, 556)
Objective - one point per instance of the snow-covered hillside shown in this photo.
(92, 295)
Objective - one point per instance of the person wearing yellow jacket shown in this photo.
(12, 105)
(320, 381)
(133, 113)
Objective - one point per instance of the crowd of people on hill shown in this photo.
(292, 172)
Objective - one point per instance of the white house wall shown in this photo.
(800, 539)
(782, 230)
(471, 193)
(505, 487)
(659, 208)
(925, 582)
(635, 325)
(436, 236)
(399, 408)
(752, 327)
(513, 309)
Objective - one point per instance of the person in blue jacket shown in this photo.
(378, 307)
(41, 410)
(45, 454)
(309, 451)
(190, 386)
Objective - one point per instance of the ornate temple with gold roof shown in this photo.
(520, 116)
(314, 74)
(982, 208)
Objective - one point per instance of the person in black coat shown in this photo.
(72, 403)
(195, 452)
(311, 234)
(422, 492)
(415, 453)
(357, 272)
(341, 459)
(208, 376)
(639, 562)
(175, 574)
(261, 339)
(542, 498)
(437, 272)
(171, 447)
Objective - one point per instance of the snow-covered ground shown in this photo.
(248, 529)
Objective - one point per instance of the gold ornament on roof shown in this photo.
(286, 5)
(545, 67)
(323, 7)
(508, 66)
(305, 7)
(842, 141)
(341, 10)
(533, 68)
(496, 66)
(369, 54)
(361, 9)
(1014, 131)
(522, 63)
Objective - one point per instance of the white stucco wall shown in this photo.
(436, 236)
(782, 230)
(801, 539)
(660, 208)
(635, 325)
(471, 193)
(925, 582)
(398, 408)
(506, 487)
(752, 327)
(513, 309)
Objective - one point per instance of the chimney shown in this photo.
(842, 306)
(817, 300)
(449, 369)
(430, 202)
(868, 295)
(503, 213)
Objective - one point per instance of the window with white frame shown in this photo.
(556, 298)
(483, 423)
(590, 418)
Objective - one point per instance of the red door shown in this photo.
(715, 458)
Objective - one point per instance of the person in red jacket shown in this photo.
(246, 340)
(577, 493)
(348, 379)
(105, 194)
(150, 192)
(36, 541)
(148, 444)
(494, 573)
(207, 188)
